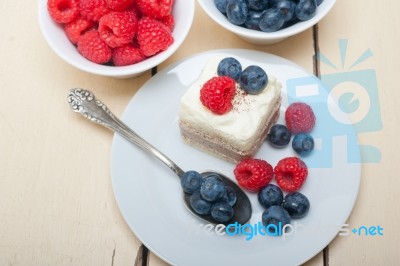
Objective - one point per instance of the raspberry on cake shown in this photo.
(217, 94)
(236, 134)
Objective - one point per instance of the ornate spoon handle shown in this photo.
(84, 102)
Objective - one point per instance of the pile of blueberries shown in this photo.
(279, 208)
(267, 15)
(209, 195)
(252, 79)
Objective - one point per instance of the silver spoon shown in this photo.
(84, 102)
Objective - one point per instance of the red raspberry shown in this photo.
(93, 9)
(63, 11)
(299, 118)
(253, 174)
(127, 55)
(290, 173)
(155, 8)
(76, 28)
(153, 36)
(169, 21)
(119, 5)
(217, 94)
(118, 28)
(92, 47)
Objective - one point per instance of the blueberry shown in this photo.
(296, 204)
(221, 211)
(229, 67)
(253, 79)
(253, 20)
(229, 196)
(271, 195)
(319, 2)
(221, 5)
(303, 144)
(257, 4)
(212, 188)
(214, 175)
(286, 8)
(191, 181)
(279, 135)
(291, 22)
(271, 20)
(275, 217)
(306, 9)
(236, 11)
(200, 205)
(272, 3)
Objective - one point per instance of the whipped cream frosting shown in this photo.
(241, 124)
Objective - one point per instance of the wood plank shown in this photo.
(156, 261)
(57, 205)
(368, 25)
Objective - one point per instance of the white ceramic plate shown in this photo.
(149, 194)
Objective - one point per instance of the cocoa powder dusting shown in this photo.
(241, 103)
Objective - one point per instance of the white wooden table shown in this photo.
(56, 202)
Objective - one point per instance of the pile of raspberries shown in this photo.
(115, 32)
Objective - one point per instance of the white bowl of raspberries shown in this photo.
(115, 38)
(266, 21)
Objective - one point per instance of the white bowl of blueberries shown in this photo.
(266, 21)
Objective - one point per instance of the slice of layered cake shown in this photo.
(228, 112)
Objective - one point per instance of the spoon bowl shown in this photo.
(84, 102)
(241, 210)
